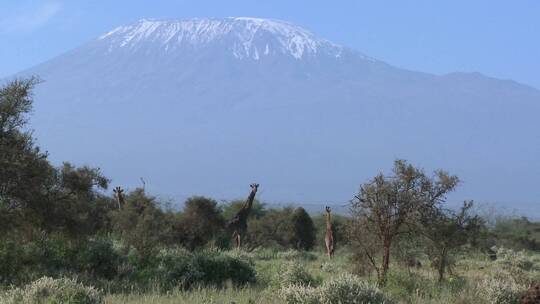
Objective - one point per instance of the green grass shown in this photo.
(200, 295)
(417, 286)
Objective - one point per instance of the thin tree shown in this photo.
(446, 231)
(387, 204)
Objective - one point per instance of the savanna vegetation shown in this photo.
(67, 238)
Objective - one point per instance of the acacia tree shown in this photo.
(446, 231)
(386, 205)
(274, 229)
(200, 223)
(34, 195)
(73, 203)
(24, 169)
(141, 223)
(230, 209)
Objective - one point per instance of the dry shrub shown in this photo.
(49, 290)
(344, 289)
(500, 290)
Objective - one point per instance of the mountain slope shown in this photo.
(208, 105)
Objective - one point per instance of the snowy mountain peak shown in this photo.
(244, 37)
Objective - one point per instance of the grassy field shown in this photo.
(466, 284)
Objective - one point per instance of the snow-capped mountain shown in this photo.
(242, 37)
(206, 106)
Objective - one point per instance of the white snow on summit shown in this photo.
(245, 37)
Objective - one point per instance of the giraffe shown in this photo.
(329, 238)
(238, 224)
(119, 196)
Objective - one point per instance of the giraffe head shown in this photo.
(328, 209)
(118, 191)
(254, 187)
(119, 194)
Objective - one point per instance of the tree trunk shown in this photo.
(385, 263)
(442, 265)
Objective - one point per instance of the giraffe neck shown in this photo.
(120, 199)
(249, 201)
(328, 222)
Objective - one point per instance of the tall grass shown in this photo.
(474, 279)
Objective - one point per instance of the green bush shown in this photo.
(173, 268)
(348, 288)
(514, 259)
(294, 273)
(50, 256)
(180, 268)
(345, 289)
(519, 265)
(245, 256)
(22, 263)
(11, 262)
(57, 257)
(299, 294)
(303, 230)
(329, 267)
(500, 290)
(99, 259)
(99, 263)
(292, 254)
(53, 291)
(265, 254)
(218, 268)
(404, 285)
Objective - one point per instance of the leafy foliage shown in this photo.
(299, 294)
(340, 227)
(343, 289)
(497, 290)
(275, 229)
(348, 288)
(58, 222)
(141, 223)
(445, 232)
(294, 273)
(385, 206)
(230, 209)
(200, 222)
(303, 237)
(35, 196)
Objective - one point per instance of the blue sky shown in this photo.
(495, 37)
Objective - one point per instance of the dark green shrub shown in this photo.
(217, 268)
(52, 256)
(141, 223)
(303, 236)
(172, 268)
(180, 268)
(10, 262)
(339, 229)
(98, 259)
(200, 223)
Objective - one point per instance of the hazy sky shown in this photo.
(498, 38)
